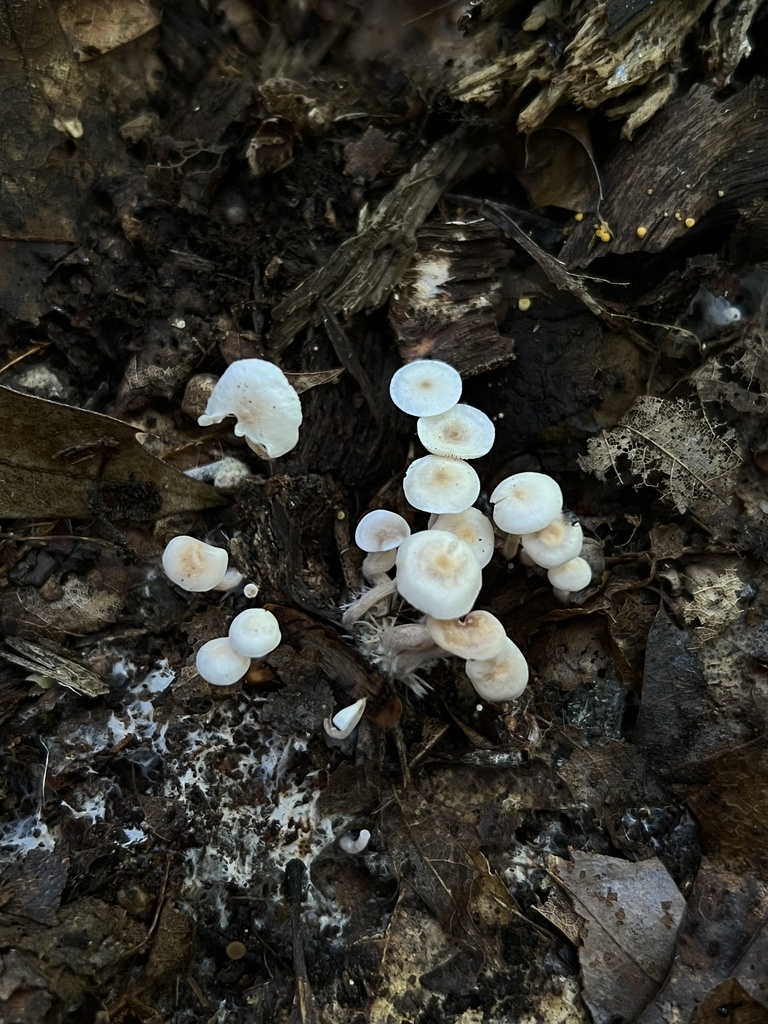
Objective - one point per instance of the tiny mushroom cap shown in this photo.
(254, 633)
(472, 527)
(425, 387)
(573, 575)
(194, 565)
(349, 844)
(344, 722)
(437, 484)
(438, 574)
(478, 635)
(555, 544)
(220, 664)
(463, 432)
(526, 502)
(501, 678)
(267, 408)
(381, 530)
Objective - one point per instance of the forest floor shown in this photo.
(566, 203)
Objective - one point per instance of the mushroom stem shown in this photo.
(406, 648)
(357, 609)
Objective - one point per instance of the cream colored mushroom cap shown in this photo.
(254, 633)
(463, 432)
(219, 664)
(501, 678)
(472, 527)
(438, 574)
(425, 387)
(555, 544)
(573, 575)
(436, 484)
(266, 406)
(381, 530)
(194, 565)
(478, 635)
(526, 502)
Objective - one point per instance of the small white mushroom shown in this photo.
(436, 484)
(526, 502)
(478, 635)
(425, 387)
(351, 845)
(501, 678)
(266, 406)
(472, 527)
(254, 633)
(219, 664)
(381, 530)
(344, 722)
(250, 590)
(463, 432)
(194, 565)
(438, 574)
(555, 544)
(232, 578)
(573, 575)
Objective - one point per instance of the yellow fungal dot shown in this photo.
(341, 515)
(720, 193)
(678, 215)
(603, 232)
(579, 216)
(649, 191)
(642, 232)
(690, 221)
(524, 304)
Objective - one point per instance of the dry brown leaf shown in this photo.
(674, 447)
(558, 165)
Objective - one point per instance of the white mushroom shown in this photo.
(254, 633)
(478, 635)
(219, 664)
(425, 387)
(344, 722)
(194, 565)
(526, 502)
(472, 527)
(501, 678)
(267, 408)
(381, 530)
(573, 575)
(351, 845)
(438, 574)
(435, 484)
(463, 432)
(555, 544)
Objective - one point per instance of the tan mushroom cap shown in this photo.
(436, 484)
(472, 527)
(573, 575)
(438, 574)
(381, 530)
(501, 678)
(555, 544)
(425, 387)
(463, 432)
(526, 502)
(479, 635)
(194, 565)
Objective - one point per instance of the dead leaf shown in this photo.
(95, 29)
(729, 1001)
(558, 166)
(61, 461)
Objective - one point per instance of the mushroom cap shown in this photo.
(267, 408)
(425, 387)
(478, 635)
(436, 484)
(526, 502)
(345, 721)
(501, 678)
(254, 633)
(381, 530)
(438, 574)
(575, 574)
(462, 432)
(194, 565)
(472, 527)
(555, 544)
(219, 664)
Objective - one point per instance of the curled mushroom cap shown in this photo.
(478, 635)
(463, 432)
(438, 574)
(436, 484)
(501, 678)
(573, 575)
(472, 527)
(555, 544)
(345, 721)
(267, 408)
(219, 664)
(526, 502)
(254, 633)
(194, 565)
(425, 387)
(381, 530)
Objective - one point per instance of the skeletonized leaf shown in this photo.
(57, 460)
(674, 447)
